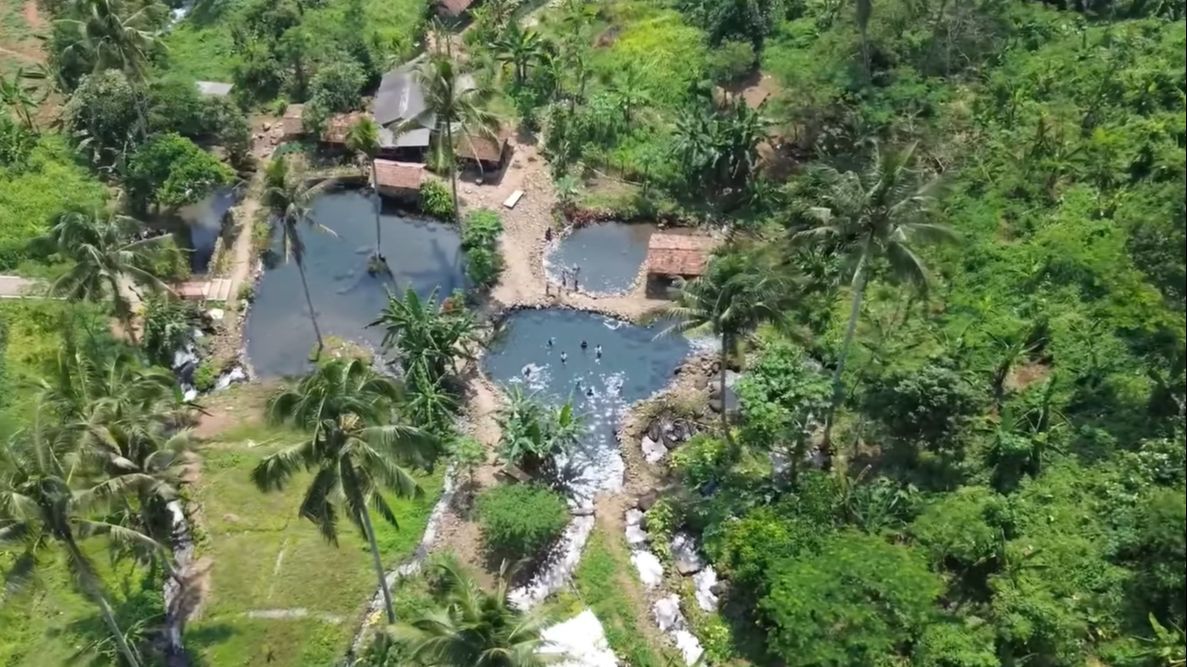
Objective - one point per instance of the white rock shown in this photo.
(685, 556)
(667, 613)
(578, 642)
(634, 517)
(216, 314)
(688, 645)
(651, 571)
(236, 374)
(635, 535)
(652, 450)
(704, 581)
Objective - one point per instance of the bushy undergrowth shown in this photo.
(520, 520)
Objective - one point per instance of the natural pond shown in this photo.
(633, 365)
(606, 255)
(422, 254)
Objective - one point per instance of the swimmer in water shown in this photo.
(598, 351)
(589, 392)
(551, 341)
(564, 357)
(527, 371)
(584, 346)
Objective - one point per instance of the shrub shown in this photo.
(481, 228)
(436, 200)
(206, 375)
(336, 87)
(168, 325)
(521, 520)
(731, 61)
(480, 238)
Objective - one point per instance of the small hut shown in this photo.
(487, 152)
(398, 180)
(676, 256)
(293, 123)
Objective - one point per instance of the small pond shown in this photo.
(634, 364)
(422, 254)
(608, 255)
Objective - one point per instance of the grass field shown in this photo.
(265, 559)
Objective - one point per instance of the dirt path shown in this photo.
(33, 15)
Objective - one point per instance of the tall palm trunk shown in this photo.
(365, 518)
(457, 213)
(858, 289)
(309, 302)
(95, 590)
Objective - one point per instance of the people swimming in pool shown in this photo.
(564, 357)
(584, 345)
(598, 351)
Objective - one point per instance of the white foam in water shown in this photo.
(558, 566)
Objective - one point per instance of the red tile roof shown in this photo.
(337, 127)
(679, 254)
(481, 146)
(403, 175)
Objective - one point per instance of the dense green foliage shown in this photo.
(170, 170)
(480, 241)
(520, 520)
(435, 200)
(33, 194)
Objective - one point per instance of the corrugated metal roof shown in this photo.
(418, 138)
(214, 88)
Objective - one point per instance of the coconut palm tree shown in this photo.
(290, 200)
(40, 509)
(107, 38)
(864, 9)
(108, 260)
(428, 337)
(875, 216)
(473, 628)
(737, 293)
(455, 106)
(363, 140)
(522, 49)
(357, 445)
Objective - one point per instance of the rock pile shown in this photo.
(666, 432)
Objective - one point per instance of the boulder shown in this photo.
(634, 517)
(652, 450)
(635, 535)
